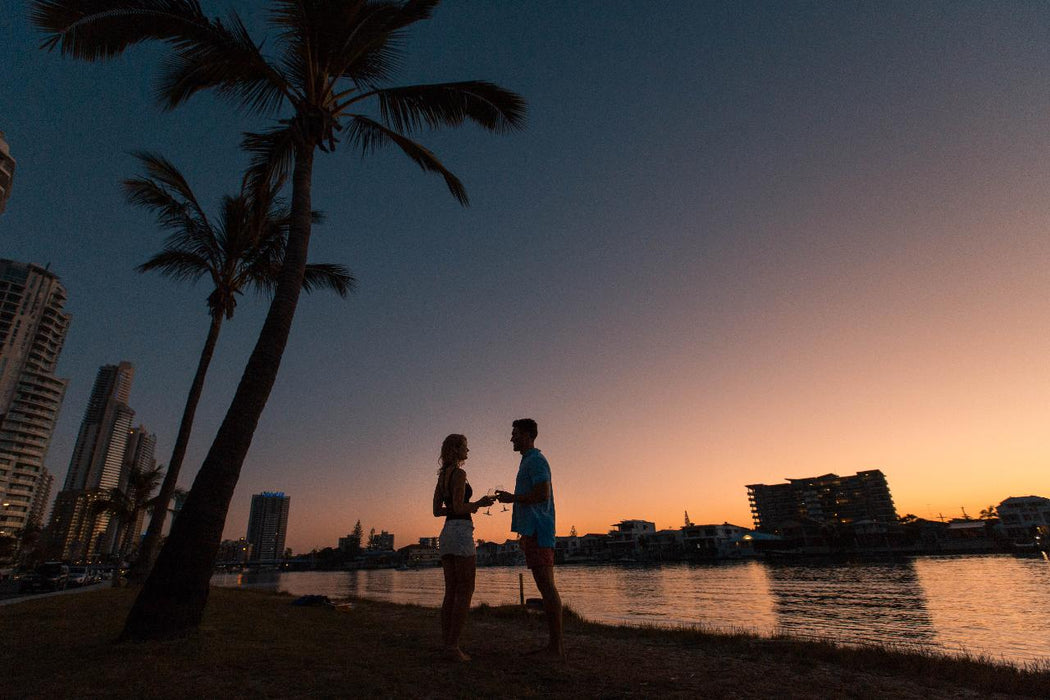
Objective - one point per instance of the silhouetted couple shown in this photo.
(532, 519)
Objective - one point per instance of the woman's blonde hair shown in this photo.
(451, 449)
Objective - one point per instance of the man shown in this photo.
(533, 519)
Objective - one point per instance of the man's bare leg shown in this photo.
(544, 577)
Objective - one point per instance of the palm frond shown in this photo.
(369, 135)
(171, 213)
(272, 153)
(409, 108)
(366, 45)
(164, 179)
(177, 264)
(227, 59)
(328, 276)
(100, 29)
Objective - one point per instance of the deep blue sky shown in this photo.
(737, 242)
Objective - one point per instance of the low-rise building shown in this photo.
(627, 539)
(714, 541)
(234, 552)
(1023, 519)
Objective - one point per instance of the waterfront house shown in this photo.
(628, 538)
(593, 547)
(715, 541)
(420, 554)
(1024, 519)
(664, 545)
(968, 535)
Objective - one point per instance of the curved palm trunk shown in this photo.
(148, 550)
(173, 597)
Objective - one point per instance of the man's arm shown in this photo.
(539, 493)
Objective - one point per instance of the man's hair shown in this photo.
(527, 426)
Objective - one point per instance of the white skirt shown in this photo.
(457, 539)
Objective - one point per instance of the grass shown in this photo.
(256, 644)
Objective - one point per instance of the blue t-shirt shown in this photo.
(535, 519)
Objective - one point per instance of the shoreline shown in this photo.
(254, 643)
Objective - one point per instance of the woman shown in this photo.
(458, 557)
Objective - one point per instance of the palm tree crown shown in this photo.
(242, 248)
(333, 59)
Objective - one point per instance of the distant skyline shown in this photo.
(736, 242)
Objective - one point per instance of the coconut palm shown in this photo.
(241, 249)
(126, 504)
(331, 75)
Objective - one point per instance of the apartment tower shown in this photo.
(267, 525)
(138, 457)
(33, 328)
(823, 499)
(79, 528)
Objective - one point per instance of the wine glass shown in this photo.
(498, 489)
(491, 493)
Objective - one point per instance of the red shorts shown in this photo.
(535, 555)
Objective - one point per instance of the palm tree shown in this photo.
(335, 61)
(242, 248)
(125, 505)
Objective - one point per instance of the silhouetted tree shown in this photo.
(989, 513)
(354, 545)
(125, 506)
(334, 60)
(241, 248)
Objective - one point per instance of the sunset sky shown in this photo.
(737, 242)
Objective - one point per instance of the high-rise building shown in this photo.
(824, 499)
(138, 457)
(267, 525)
(33, 328)
(41, 497)
(79, 527)
(98, 456)
(7, 172)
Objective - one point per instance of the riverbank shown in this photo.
(255, 644)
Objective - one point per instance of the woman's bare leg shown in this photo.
(449, 566)
(464, 568)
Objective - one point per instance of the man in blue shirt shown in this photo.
(533, 519)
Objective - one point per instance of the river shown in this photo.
(989, 605)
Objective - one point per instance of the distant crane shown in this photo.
(688, 522)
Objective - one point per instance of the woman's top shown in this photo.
(446, 498)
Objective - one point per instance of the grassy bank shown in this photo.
(256, 644)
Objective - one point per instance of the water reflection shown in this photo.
(991, 605)
(858, 603)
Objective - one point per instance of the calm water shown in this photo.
(992, 605)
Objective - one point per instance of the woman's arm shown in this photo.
(439, 507)
(459, 489)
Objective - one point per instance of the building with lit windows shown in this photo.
(80, 530)
(33, 328)
(268, 525)
(827, 499)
